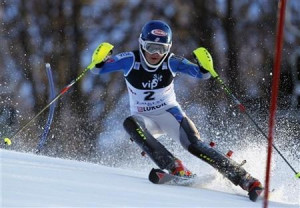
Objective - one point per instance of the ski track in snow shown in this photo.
(29, 180)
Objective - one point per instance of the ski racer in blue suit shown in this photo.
(149, 74)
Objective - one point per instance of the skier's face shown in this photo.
(153, 58)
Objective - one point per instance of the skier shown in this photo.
(149, 74)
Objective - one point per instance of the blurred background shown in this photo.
(87, 125)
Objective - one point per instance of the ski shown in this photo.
(158, 176)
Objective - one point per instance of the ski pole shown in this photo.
(206, 62)
(243, 110)
(99, 55)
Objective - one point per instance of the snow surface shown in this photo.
(29, 180)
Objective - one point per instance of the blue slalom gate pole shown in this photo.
(43, 137)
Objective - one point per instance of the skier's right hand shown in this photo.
(101, 54)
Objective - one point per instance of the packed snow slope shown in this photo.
(29, 180)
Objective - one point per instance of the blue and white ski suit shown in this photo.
(151, 91)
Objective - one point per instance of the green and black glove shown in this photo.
(205, 60)
(100, 54)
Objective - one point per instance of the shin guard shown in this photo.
(153, 148)
(226, 166)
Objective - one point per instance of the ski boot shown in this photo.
(253, 186)
(180, 170)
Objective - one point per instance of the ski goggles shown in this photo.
(155, 47)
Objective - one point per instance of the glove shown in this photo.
(201, 68)
(99, 65)
(100, 54)
(204, 58)
(7, 141)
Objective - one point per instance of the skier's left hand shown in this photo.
(205, 60)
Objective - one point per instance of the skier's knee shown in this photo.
(131, 123)
(188, 133)
(135, 129)
(153, 148)
(128, 123)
